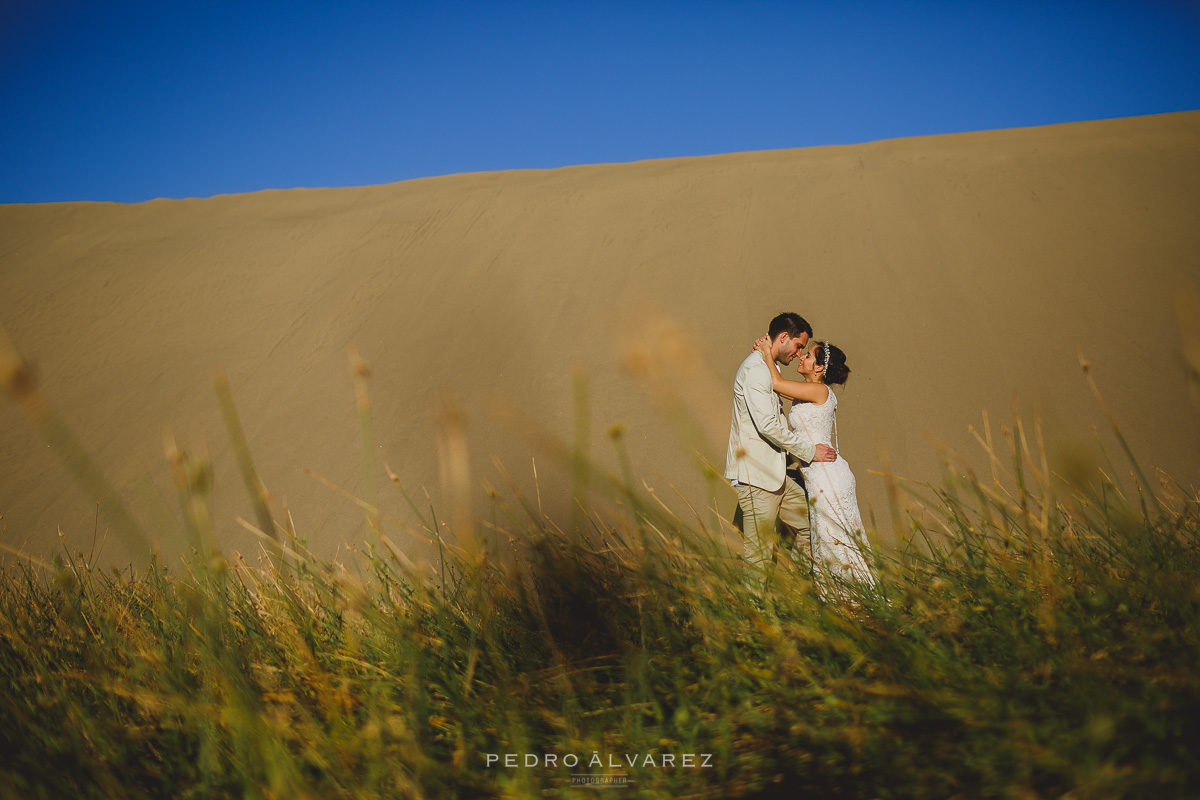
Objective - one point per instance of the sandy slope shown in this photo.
(958, 272)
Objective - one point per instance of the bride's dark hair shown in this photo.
(837, 371)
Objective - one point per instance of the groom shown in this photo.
(759, 441)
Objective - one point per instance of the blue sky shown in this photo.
(128, 101)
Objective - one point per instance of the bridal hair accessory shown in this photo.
(825, 347)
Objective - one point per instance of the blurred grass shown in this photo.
(1035, 636)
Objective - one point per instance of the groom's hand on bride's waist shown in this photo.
(825, 453)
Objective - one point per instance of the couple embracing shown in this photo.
(761, 438)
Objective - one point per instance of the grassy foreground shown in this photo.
(1044, 649)
(1039, 640)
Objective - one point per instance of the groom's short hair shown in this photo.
(791, 324)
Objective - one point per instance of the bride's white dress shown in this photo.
(834, 518)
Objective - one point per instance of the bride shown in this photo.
(834, 519)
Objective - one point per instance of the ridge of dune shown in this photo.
(1062, 131)
(958, 272)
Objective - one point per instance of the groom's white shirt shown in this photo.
(759, 437)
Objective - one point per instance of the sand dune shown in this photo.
(958, 272)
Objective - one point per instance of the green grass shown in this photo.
(1034, 641)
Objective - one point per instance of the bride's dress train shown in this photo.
(835, 523)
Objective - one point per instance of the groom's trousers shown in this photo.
(761, 510)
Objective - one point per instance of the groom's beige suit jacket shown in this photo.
(759, 437)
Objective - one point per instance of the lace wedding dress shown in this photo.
(834, 518)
